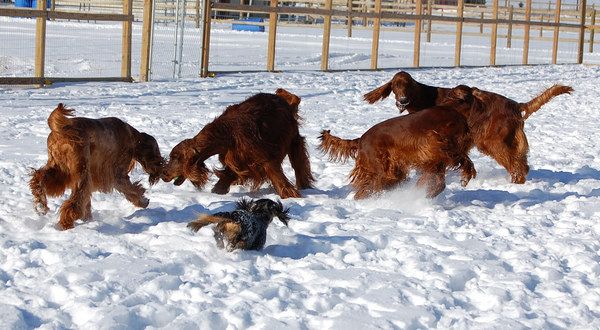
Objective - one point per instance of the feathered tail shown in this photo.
(338, 149)
(537, 102)
(204, 220)
(60, 123)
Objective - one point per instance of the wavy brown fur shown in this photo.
(495, 121)
(251, 138)
(88, 155)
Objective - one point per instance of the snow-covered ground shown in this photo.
(491, 255)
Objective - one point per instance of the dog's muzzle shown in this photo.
(401, 103)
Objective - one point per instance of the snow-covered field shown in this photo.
(491, 255)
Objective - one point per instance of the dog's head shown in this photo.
(148, 155)
(265, 206)
(184, 163)
(405, 88)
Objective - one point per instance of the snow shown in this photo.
(491, 255)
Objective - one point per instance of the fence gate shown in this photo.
(176, 39)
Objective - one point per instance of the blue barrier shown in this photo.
(23, 3)
(240, 26)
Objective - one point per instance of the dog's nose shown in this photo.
(402, 99)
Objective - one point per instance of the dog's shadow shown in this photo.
(306, 245)
(491, 198)
(141, 220)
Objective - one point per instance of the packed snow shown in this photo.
(491, 255)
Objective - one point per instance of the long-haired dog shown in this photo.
(251, 138)
(88, 155)
(430, 141)
(244, 228)
(497, 126)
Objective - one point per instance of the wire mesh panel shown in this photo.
(68, 54)
(17, 37)
(176, 39)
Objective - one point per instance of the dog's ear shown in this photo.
(195, 171)
(148, 155)
(291, 99)
(379, 93)
(462, 92)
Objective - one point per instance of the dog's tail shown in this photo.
(60, 123)
(204, 220)
(59, 118)
(338, 149)
(537, 102)
(379, 93)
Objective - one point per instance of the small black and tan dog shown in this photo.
(244, 228)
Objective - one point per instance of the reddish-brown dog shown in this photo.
(430, 141)
(497, 125)
(88, 155)
(251, 138)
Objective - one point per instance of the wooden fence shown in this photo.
(419, 12)
(41, 14)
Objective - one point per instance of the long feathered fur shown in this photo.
(60, 123)
(337, 148)
(537, 102)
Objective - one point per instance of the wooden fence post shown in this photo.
(494, 41)
(146, 41)
(272, 38)
(349, 3)
(526, 31)
(481, 24)
(417, 41)
(541, 27)
(326, 36)
(583, 5)
(365, 10)
(509, 33)
(556, 30)
(206, 17)
(429, 11)
(40, 43)
(376, 27)
(592, 31)
(126, 42)
(459, 25)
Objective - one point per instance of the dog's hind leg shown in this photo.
(134, 192)
(435, 182)
(300, 163)
(76, 206)
(281, 184)
(47, 181)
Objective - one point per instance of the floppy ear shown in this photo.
(379, 93)
(292, 99)
(148, 155)
(462, 92)
(195, 170)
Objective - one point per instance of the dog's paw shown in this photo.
(40, 208)
(143, 202)
(289, 193)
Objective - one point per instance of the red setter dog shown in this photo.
(497, 125)
(251, 138)
(430, 141)
(88, 155)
